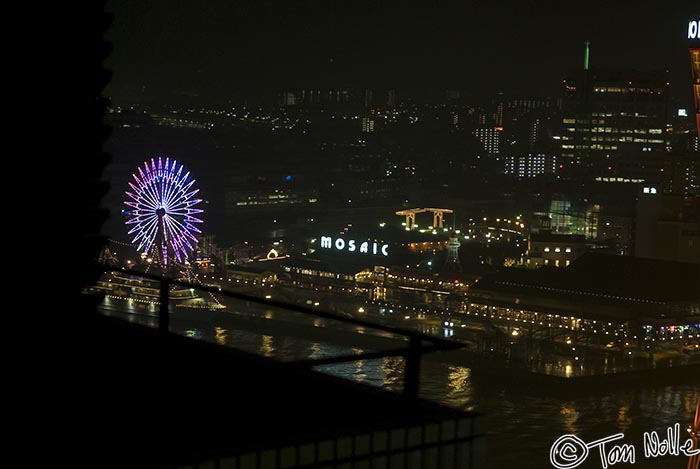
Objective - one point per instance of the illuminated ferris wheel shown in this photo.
(162, 210)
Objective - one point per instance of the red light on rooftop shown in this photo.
(662, 170)
(498, 129)
(456, 282)
(609, 168)
(561, 166)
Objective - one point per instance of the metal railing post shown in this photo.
(163, 315)
(411, 378)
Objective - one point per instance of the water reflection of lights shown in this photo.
(221, 335)
(570, 416)
(458, 379)
(359, 366)
(392, 367)
(315, 350)
(623, 419)
(267, 347)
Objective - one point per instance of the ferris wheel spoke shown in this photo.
(181, 201)
(144, 177)
(147, 239)
(174, 223)
(189, 184)
(146, 234)
(145, 191)
(178, 229)
(146, 229)
(154, 197)
(142, 199)
(193, 228)
(193, 220)
(181, 205)
(143, 224)
(171, 195)
(131, 204)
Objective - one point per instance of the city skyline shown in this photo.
(224, 51)
(284, 206)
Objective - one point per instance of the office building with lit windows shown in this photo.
(694, 49)
(554, 250)
(613, 120)
(490, 138)
(530, 165)
(367, 124)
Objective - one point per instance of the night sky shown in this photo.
(224, 49)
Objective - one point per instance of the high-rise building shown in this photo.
(392, 99)
(288, 99)
(530, 165)
(490, 138)
(694, 49)
(612, 119)
(667, 226)
(528, 122)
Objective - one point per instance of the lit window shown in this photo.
(557, 250)
(546, 249)
(568, 249)
(568, 262)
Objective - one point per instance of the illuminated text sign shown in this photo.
(693, 29)
(365, 247)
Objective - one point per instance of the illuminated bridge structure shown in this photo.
(438, 216)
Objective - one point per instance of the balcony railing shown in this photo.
(418, 343)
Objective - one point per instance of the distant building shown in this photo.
(611, 118)
(392, 99)
(530, 165)
(490, 138)
(574, 217)
(528, 122)
(310, 97)
(679, 173)
(288, 99)
(682, 134)
(380, 188)
(694, 49)
(600, 295)
(667, 226)
(367, 124)
(554, 250)
(616, 230)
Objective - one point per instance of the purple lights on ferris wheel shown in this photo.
(162, 203)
